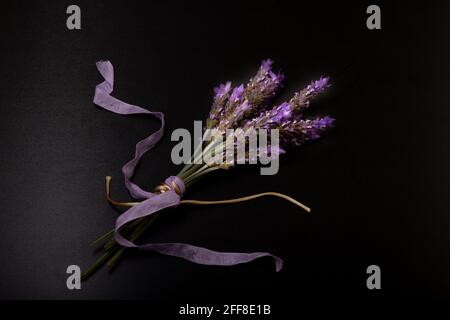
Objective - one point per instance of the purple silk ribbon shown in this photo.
(153, 202)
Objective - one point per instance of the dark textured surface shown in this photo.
(378, 182)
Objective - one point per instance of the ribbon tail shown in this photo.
(205, 256)
(103, 99)
(144, 209)
(186, 251)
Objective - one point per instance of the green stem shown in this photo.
(196, 173)
(97, 242)
(194, 178)
(97, 264)
(191, 170)
(185, 168)
(126, 230)
(197, 151)
(136, 234)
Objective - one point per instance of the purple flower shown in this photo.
(218, 107)
(302, 99)
(323, 123)
(318, 86)
(237, 93)
(296, 132)
(267, 65)
(258, 93)
(263, 86)
(246, 102)
(241, 109)
(271, 119)
(223, 89)
(246, 107)
(283, 113)
(314, 127)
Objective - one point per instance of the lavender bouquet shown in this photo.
(238, 109)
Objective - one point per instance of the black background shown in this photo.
(377, 183)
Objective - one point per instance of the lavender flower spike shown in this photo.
(318, 85)
(221, 94)
(245, 103)
(291, 110)
(222, 89)
(295, 133)
(302, 99)
(263, 86)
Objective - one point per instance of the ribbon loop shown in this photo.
(177, 184)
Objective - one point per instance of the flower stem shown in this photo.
(198, 175)
(146, 222)
(99, 240)
(97, 264)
